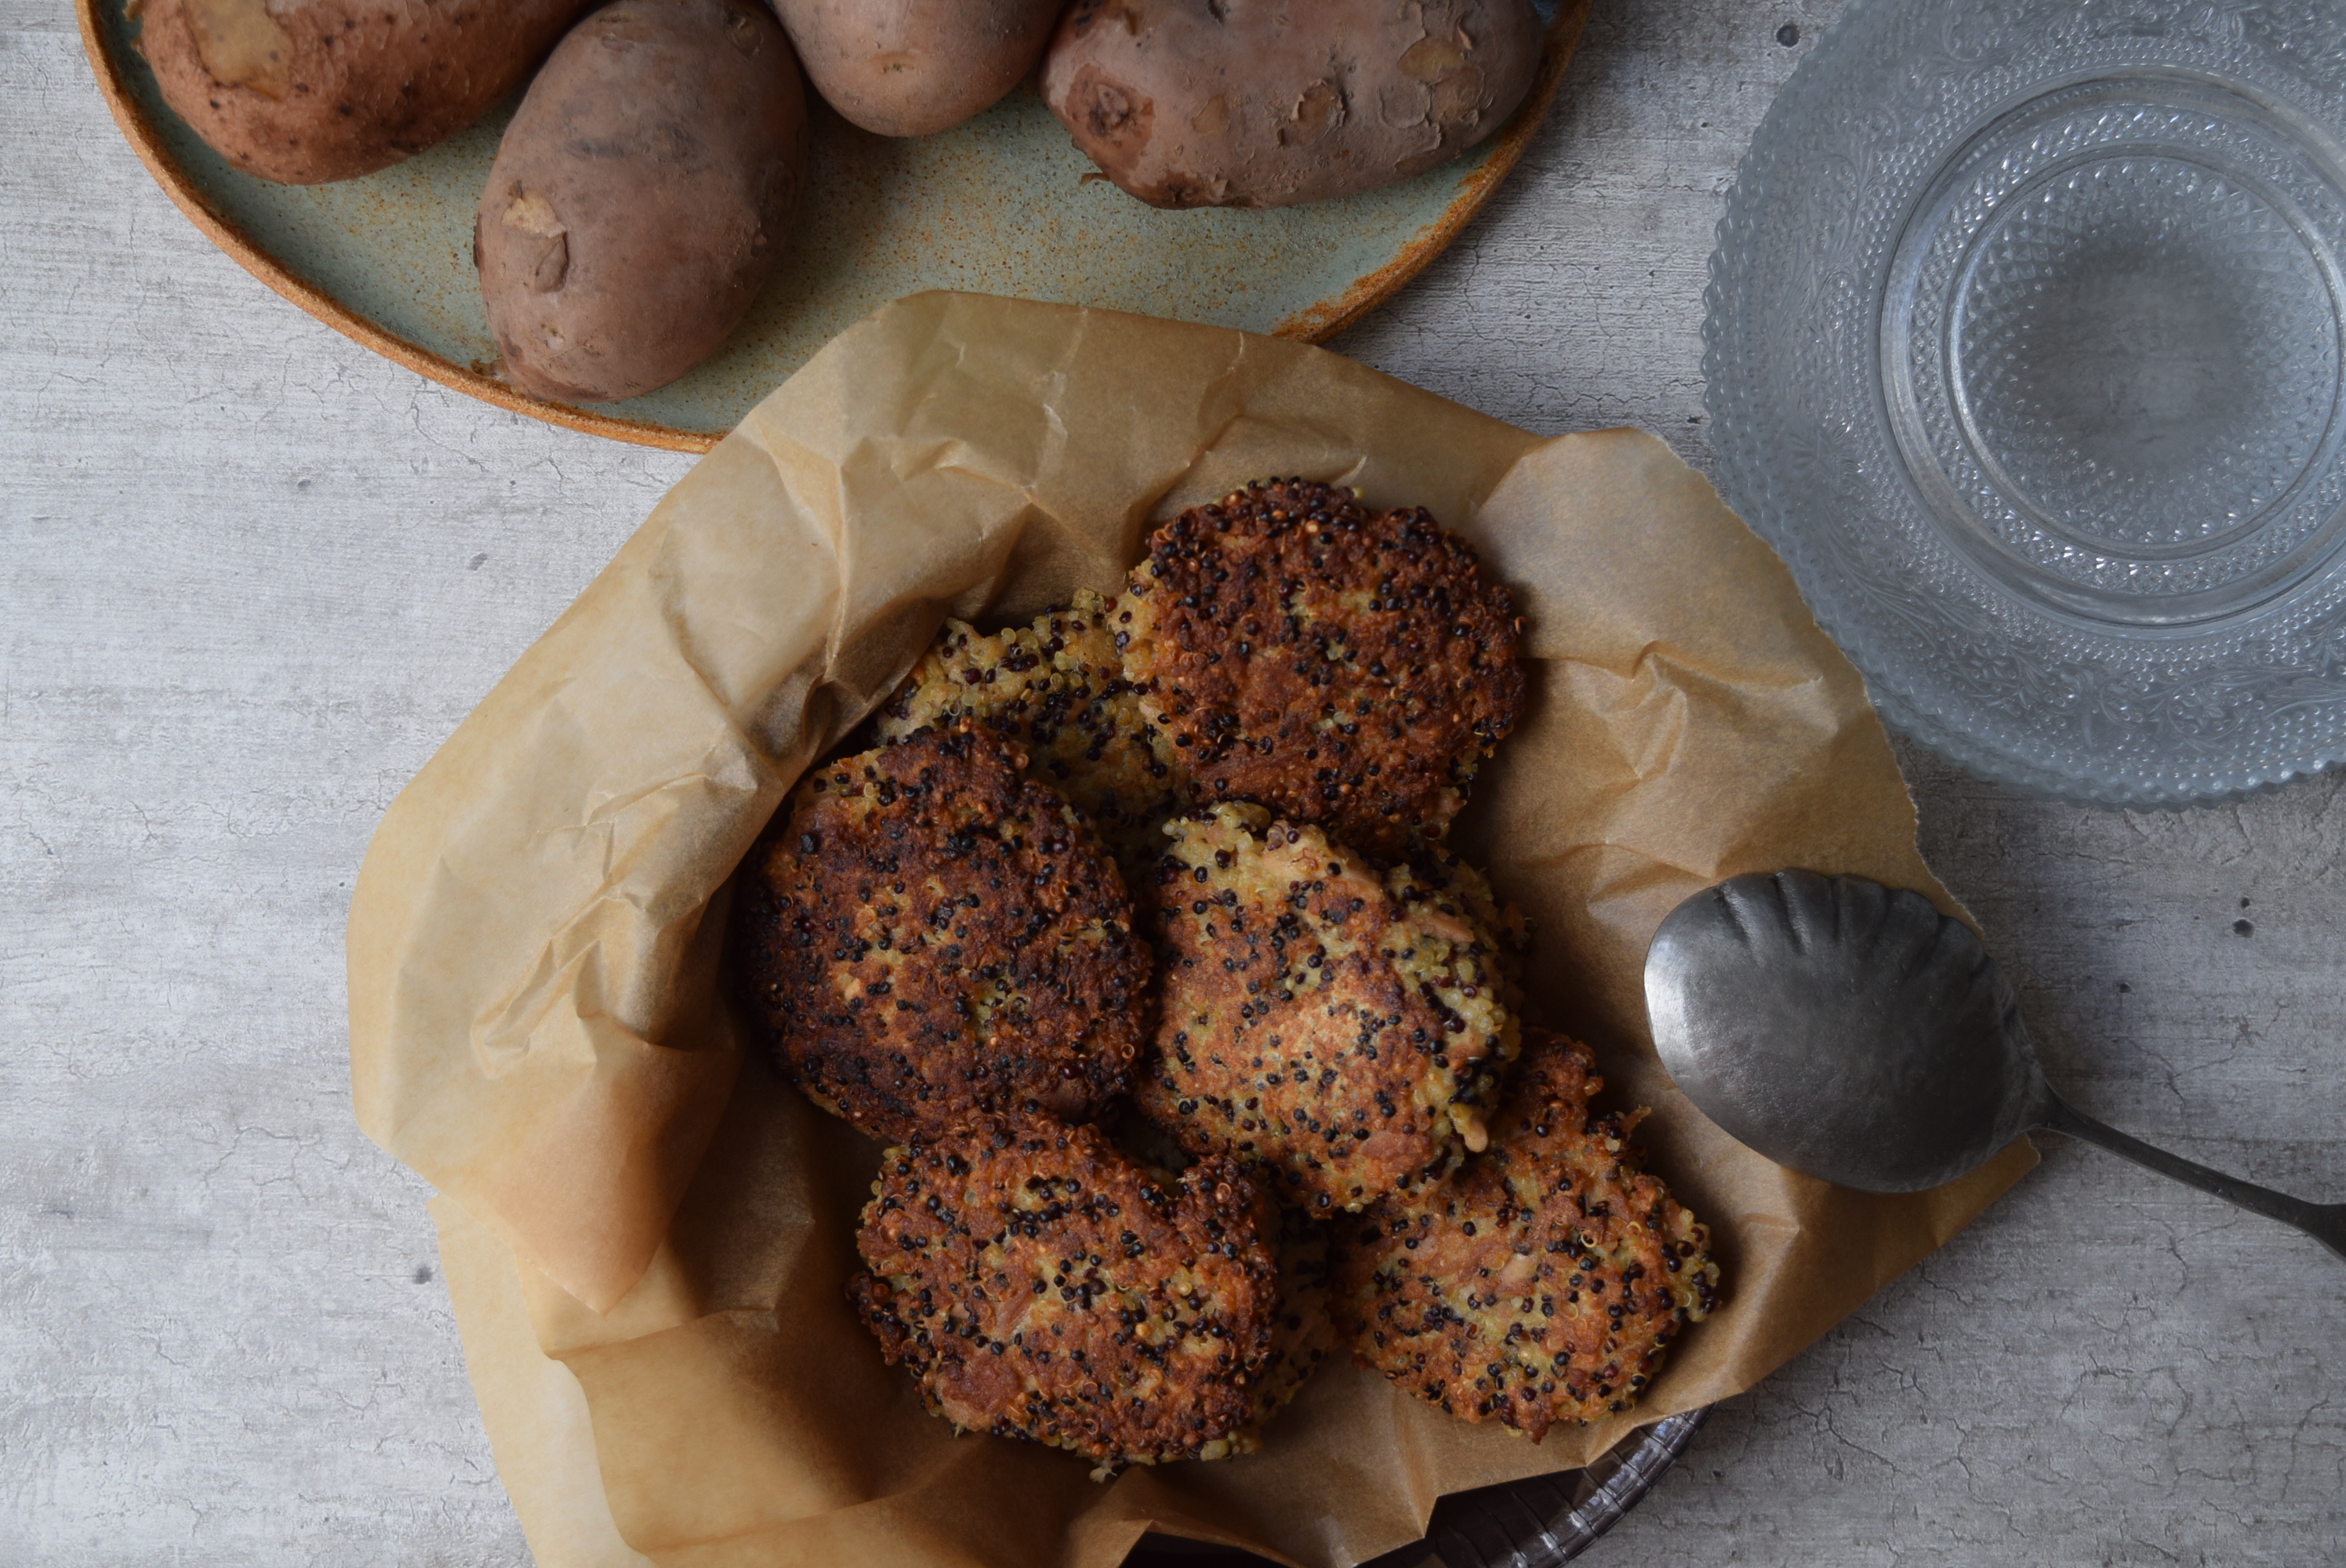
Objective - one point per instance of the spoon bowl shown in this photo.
(1842, 1028)
(1851, 1031)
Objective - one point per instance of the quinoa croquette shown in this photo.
(927, 936)
(1056, 690)
(1039, 1285)
(1303, 1336)
(1340, 666)
(1434, 875)
(1338, 1023)
(1543, 1280)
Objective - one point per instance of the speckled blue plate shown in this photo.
(1002, 205)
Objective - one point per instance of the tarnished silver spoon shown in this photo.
(1853, 1031)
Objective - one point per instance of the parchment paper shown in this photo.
(647, 1235)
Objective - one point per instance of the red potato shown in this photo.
(912, 67)
(640, 196)
(304, 91)
(1267, 103)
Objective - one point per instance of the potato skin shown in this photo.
(1267, 103)
(640, 196)
(912, 67)
(304, 91)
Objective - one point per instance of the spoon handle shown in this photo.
(2325, 1222)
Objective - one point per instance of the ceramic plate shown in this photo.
(1002, 205)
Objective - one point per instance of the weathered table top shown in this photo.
(253, 576)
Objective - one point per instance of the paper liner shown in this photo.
(647, 1236)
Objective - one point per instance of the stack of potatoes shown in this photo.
(645, 187)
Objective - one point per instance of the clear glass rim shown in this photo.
(1947, 721)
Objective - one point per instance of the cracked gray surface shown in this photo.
(252, 575)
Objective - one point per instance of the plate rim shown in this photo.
(1313, 324)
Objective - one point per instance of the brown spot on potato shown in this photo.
(1213, 119)
(544, 265)
(242, 45)
(1431, 59)
(552, 265)
(1321, 107)
(1458, 97)
(533, 214)
(1115, 117)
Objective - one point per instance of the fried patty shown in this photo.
(1303, 1336)
(926, 936)
(1338, 1023)
(1039, 1285)
(1543, 1280)
(1056, 690)
(1434, 874)
(1340, 665)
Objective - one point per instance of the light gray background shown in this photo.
(251, 577)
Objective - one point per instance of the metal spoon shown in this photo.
(1854, 1032)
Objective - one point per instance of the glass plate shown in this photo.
(1533, 1524)
(2025, 349)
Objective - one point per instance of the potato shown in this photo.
(1266, 103)
(909, 67)
(302, 91)
(641, 195)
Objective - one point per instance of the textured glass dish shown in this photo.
(1537, 1522)
(2026, 333)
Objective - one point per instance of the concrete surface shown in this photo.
(251, 575)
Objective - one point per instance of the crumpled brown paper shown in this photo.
(647, 1235)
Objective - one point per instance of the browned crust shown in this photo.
(1056, 690)
(926, 937)
(1040, 1286)
(1310, 1017)
(1541, 1283)
(1340, 665)
(1304, 1336)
